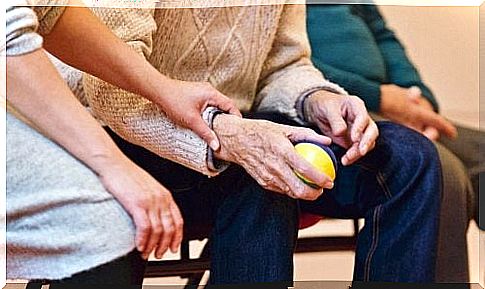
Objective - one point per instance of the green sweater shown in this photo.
(353, 47)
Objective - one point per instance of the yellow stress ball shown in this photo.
(320, 156)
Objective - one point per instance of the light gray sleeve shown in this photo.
(21, 36)
(23, 23)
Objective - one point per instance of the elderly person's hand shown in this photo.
(158, 222)
(265, 150)
(345, 119)
(406, 106)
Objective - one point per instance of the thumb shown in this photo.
(203, 131)
(431, 133)
(224, 103)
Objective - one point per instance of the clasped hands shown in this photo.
(408, 107)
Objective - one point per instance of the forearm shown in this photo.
(36, 91)
(141, 122)
(103, 55)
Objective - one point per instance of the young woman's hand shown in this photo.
(158, 222)
(184, 103)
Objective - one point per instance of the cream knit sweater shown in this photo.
(257, 55)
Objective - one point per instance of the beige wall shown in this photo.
(443, 42)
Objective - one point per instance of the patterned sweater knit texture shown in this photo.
(258, 55)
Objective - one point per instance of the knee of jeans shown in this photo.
(409, 146)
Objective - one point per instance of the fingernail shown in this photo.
(214, 145)
(344, 161)
(364, 148)
(329, 185)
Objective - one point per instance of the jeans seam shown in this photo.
(375, 240)
(382, 182)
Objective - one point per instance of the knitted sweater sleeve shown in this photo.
(133, 117)
(288, 72)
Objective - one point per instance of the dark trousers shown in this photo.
(254, 231)
(396, 188)
(123, 273)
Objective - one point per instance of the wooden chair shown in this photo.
(194, 268)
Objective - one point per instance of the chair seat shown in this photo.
(308, 220)
(201, 232)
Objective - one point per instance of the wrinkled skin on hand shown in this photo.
(265, 150)
(344, 118)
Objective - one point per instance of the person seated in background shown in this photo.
(352, 46)
(78, 210)
(259, 57)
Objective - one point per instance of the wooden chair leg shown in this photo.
(356, 227)
(34, 284)
(195, 279)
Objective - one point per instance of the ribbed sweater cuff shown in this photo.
(213, 164)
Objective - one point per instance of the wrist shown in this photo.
(386, 102)
(161, 89)
(228, 128)
(102, 161)
(312, 100)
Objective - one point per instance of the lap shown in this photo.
(57, 210)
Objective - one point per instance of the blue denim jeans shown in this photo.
(252, 231)
(396, 188)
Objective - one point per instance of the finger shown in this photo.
(156, 231)
(224, 103)
(168, 231)
(307, 170)
(336, 121)
(179, 227)
(359, 125)
(368, 138)
(142, 226)
(199, 126)
(431, 133)
(430, 118)
(351, 155)
(299, 189)
(298, 134)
